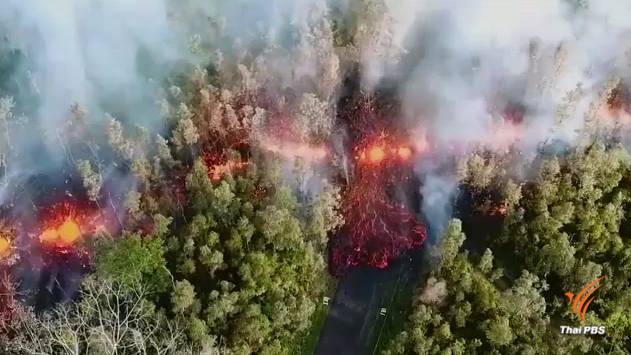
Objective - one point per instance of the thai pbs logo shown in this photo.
(580, 303)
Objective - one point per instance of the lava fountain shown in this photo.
(65, 235)
(66, 224)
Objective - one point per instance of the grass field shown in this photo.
(308, 343)
(310, 340)
(397, 299)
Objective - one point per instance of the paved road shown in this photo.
(354, 311)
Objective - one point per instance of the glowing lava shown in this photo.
(293, 150)
(380, 152)
(376, 154)
(404, 153)
(217, 172)
(49, 236)
(377, 228)
(66, 234)
(69, 232)
(65, 224)
(5, 247)
(218, 166)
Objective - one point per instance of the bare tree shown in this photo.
(109, 319)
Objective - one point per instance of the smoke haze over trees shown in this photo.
(202, 153)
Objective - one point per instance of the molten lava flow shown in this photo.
(5, 247)
(65, 235)
(377, 229)
(380, 152)
(218, 166)
(49, 236)
(405, 153)
(65, 224)
(8, 233)
(376, 154)
(293, 150)
(69, 232)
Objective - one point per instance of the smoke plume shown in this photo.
(466, 68)
(468, 74)
(105, 56)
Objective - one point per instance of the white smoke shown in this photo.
(464, 62)
(437, 191)
(92, 53)
(458, 64)
(463, 58)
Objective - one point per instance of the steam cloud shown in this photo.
(465, 63)
(106, 56)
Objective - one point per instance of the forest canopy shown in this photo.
(506, 293)
(195, 177)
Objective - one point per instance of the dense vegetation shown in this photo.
(222, 245)
(209, 261)
(565, 228)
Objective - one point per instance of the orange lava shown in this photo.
(376, 154)
(49, 236)
(377, 227)
(69, 232)
(387, 148)
(404, 153)
(5, 247)
(66, 234)
(292, 150)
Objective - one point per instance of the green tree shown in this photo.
(499, 332)
(133, 259)
(249, 268)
